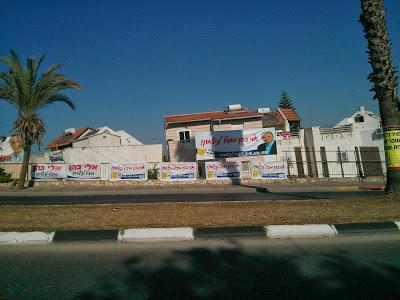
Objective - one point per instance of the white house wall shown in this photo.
(346, 142)
(141, 153)
(98, 140)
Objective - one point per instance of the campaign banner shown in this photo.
(269, 170)
(177, 171)
(235, 143)
(218, 170)
(392, 148)
(48, 172)
(128, 171)
(88, 171)
(11, 149)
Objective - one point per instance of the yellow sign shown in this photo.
(201, 151)
(392, 148)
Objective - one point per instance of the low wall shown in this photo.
(196, 182)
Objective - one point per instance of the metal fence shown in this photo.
(363, 162)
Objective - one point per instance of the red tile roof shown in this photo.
(290, 114)
(66, 139)
(216, 115)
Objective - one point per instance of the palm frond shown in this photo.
(61, 98)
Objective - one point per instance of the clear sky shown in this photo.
(138, 61)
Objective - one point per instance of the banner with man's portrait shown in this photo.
(236, 143)
(11, 149)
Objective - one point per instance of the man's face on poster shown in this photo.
(15, 143)
(268, 137)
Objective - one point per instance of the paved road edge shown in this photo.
(189, 233)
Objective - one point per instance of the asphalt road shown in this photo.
(256, 194)
(363, 267)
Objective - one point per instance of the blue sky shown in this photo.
(138, 61)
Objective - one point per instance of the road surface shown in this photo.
(363, 267)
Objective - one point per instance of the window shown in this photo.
(184, 136)
(359, 119)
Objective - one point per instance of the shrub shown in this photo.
(5, 177)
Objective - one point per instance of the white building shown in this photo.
(353, 147)
(102, 145)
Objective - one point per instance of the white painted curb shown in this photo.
(34, 237)
(152, 234)
(398, 224)
(294, 231)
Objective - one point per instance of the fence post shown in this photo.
(340, 160)
(288, 167)
(358, 165)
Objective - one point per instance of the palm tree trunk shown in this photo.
(24, 166)
(388, 108)
(383, 77)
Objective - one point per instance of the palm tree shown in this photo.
(28, 92)
(385, 84)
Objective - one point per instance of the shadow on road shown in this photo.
(232, 274)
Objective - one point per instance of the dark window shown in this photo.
(184, 136)
(359, 119)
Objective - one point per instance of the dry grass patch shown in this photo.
(211, 214)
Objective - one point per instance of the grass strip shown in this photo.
(203, 214)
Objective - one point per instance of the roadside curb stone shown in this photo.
(189, 233)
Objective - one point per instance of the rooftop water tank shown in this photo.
(234, 107)
(70, 130)
(264, 110)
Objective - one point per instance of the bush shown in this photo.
(5, 177)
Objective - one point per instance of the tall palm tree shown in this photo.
(385, 84)
(28, 92)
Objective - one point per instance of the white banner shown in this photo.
(236, 143)
(217, 170)
(48, 172)
(269, 170)
(88, 171)
(176, 171)
(56, 156)
(128, 171)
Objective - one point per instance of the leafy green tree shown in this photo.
(285, 101)
(385, 83)
(28, 92)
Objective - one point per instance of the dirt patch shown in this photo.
(212, 214)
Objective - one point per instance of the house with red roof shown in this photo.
(180, 130)
(101, 145)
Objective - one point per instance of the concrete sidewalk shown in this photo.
(277, 187)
